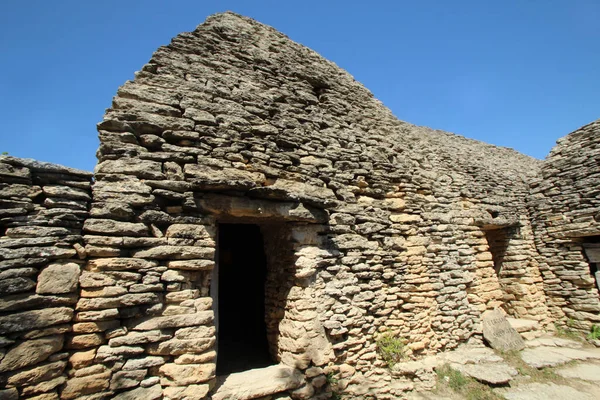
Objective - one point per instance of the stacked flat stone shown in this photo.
(42, 209)
(387, 220)
(565, 206)
(370, 226)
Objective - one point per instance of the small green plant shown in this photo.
(567, 331)
(453, 378)
(391, 348)
(466, 386)
(594, 332)
(331, 379)
(5, 153)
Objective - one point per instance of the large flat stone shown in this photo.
(585, 371)
(186, 374)
(544, 391)
(173, 321)
(523, 325)
(258, 383)
(58, 278)
(471, 355)
(498, 332)
(141, 393)
(35, 319)
(31, 352)
(77, 387)
(543, 356)
(492, 373)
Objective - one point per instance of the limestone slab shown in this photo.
(258, 382)
(492, 373)
(585, 371)
(498, 332)
(35, 319)
(30, 352)
(543, 356)
(58, 278)
(141, 393)
(544, 391)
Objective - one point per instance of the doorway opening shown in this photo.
(498, 244)
(242, 270)
(591, 247)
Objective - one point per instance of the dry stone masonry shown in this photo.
(366, 226)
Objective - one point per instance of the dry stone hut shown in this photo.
(256, 212)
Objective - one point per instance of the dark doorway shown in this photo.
(242, 270)
(591, 247)
(498, 243)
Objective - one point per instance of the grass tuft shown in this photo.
(464, 385)
(392, 349)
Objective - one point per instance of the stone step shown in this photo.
(257, 383)
(528, 328)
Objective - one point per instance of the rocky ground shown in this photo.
(548, 368)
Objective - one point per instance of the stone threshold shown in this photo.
(257, 383)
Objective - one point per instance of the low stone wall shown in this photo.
(565, 208)
(42, 209)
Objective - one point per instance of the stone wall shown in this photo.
(565, 207)
(235, 121)
(371, 226)
(42, 209)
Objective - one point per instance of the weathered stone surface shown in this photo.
(107, 353)
(127, 379)
(290, 190)
(143, 363)
(85, 341)
(495, 374)
(76, 387)
(540, 357)
(102, 315)
(58, 278)
(544, 391)
(181, 346)
(173, 321)
(176, 252)
(82, 359)
(111, 227)
(188, 231)
(192, 265)
(10, 393)
(91, 327)
(141, 393)
(127, 300)
(190, 392)
(241, 207)
(586, 371)
(189, 374)
(23, 301)
(34, 375)
(206, 177)
(258, 383)
(498, 332)
(35, 319)
(30, 352)
(119, 264)
(130, 166)
(36, 231)
(134, 338)
(16, 285)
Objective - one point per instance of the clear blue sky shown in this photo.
(516, 73)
